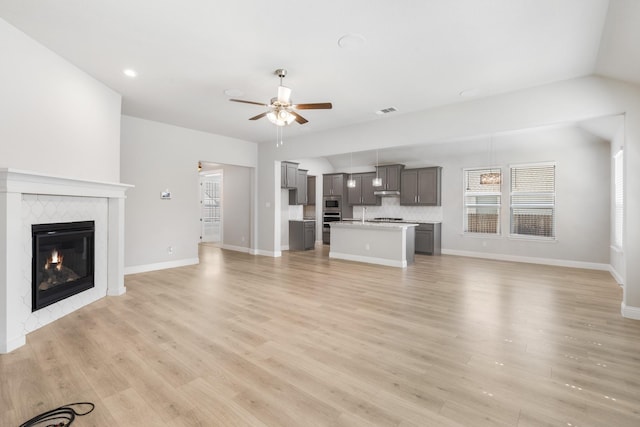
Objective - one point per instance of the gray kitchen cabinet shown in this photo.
(362, 193)
(368, 198)
(302, 235)
(428, 239)
(334, 184)
(420, 186)
(390, 175)
(311, 190)
(288, 174)
(409, 187)
(298, 195)
(354, 194)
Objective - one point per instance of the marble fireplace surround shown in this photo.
(28, 198)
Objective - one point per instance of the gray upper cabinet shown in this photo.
(288, 174)
(298, 196)
(409, 185)
(311, 190)
(333, 184)
(390, 175)
(368, 198)
(421, 186)
(362, 193)
(354, 195)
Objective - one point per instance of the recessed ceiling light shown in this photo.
(233, 92)
(351, 41)
(130, 73)
(468, 93)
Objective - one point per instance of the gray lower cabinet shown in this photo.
(302, 235)
(428, 240)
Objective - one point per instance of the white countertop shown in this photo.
(404, 221)
(373, 225)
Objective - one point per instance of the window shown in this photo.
(618, 185)
(533, 194)
(482, 196)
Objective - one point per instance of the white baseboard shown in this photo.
(530, 260)
(630, 312)
(160, 266)
(13, 344)
(618, 278)
(273, 254)
(117, 292)
(236, 248)
(369, 260)
(284, 248)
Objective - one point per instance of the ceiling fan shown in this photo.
(281, 110)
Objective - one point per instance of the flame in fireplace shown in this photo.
(55, 260)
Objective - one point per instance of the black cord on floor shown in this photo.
(60, 417)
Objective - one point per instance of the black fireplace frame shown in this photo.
(40, 232)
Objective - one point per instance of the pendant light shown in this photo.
(491, 177)
(377, 181)
(351, 183)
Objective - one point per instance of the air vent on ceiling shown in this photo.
(387, 110)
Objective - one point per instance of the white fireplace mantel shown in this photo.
(15, 185)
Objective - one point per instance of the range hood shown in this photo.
(386, 193)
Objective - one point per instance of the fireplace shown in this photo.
(63, 261)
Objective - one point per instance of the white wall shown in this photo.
(155, 157)
(236, 207)
(616, 255)
(582, 195)
(55, 118)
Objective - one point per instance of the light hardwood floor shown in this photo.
(302, 340)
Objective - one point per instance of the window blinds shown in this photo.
(533, 200)
(482, 202)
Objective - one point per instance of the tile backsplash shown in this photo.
(391, 208)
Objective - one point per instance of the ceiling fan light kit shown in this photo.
(281, 109)
(280, 117)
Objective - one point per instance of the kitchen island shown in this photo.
(391, 244)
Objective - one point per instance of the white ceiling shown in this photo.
(417, 54)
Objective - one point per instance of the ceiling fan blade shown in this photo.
(262, 104)
(259, 116)
(317, 106)
(298, 117)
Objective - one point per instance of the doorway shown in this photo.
(211, 206)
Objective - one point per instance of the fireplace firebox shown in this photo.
(63, 261)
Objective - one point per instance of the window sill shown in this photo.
(482, 235)
(533, 238)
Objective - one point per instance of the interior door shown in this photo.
(211, 207)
